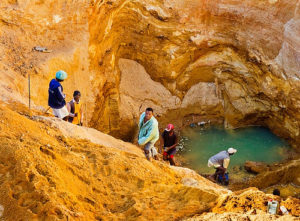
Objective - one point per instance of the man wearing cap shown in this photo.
(56, 99)
(220, 162)
(169, 142)
(75, 109)
(148, 133)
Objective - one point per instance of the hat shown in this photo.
(170, 127)
(231, 150)
(61, 75)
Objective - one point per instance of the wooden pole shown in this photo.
(29, 94)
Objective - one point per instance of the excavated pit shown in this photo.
(234, 63)
(223, 62)
(194, 62)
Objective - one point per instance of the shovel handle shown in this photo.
(47, 110)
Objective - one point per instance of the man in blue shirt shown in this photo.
(56, 98)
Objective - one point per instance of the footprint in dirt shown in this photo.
(48, 152)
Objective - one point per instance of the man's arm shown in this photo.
(60, 95)
(69, 107)
(226, 162)
(173, 146)
(81, 114)
(69, 110)
(145, 139)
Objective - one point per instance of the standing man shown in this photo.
(75, 109)
(56, 98)
(220, 162)
(148, 133)
(169, 141)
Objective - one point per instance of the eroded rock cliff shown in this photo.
(227, 61)
(61, 27)
(243, 56)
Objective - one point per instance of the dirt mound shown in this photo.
(47, 175)
(252, 200)
(240, 217)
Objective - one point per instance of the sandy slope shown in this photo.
(47, 175)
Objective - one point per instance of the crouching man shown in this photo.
(220, 162)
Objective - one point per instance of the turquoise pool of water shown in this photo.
(198, 144)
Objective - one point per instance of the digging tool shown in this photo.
(47, 110)
(29, 94)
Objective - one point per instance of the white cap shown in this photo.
(231, 150)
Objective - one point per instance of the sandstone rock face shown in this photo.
(248, 51)
(284, 176)
(138, 91)
(60, 26)
(255, 167)
(235, 61)
(242, 55)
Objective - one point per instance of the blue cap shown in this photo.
(61, 75)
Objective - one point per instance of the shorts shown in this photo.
(61, 113)
(151, 148)
(170, 153)
(210, 164)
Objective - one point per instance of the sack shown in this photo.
(223, 182)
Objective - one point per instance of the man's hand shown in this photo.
(170, 148)
(76, 114)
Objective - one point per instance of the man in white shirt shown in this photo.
(220, 162)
